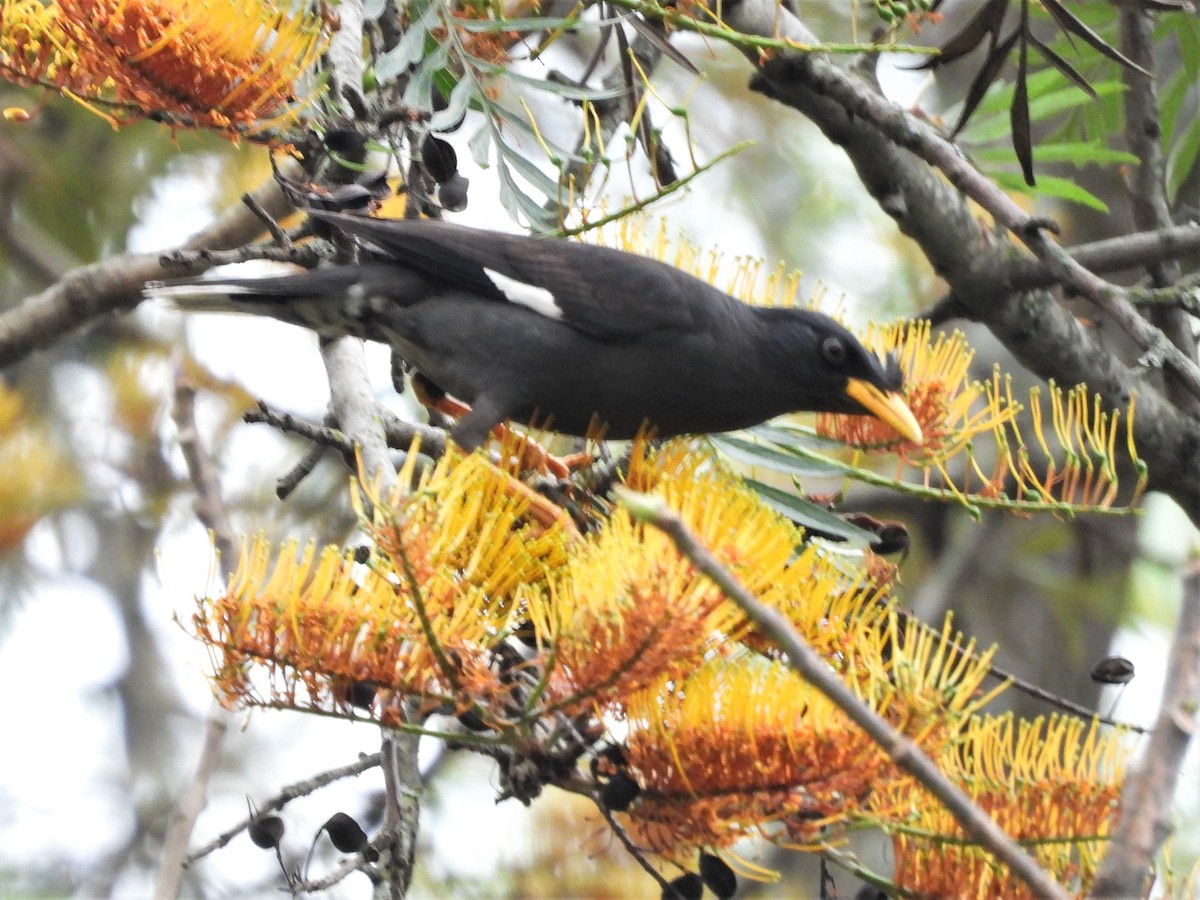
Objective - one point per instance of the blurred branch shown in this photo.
(1147, 189)
(210, 508)
(1146, 248)
(355, 410)
(1145, 817)
(976, 824)
(86, 293)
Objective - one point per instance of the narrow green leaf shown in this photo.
(987, 73)
(809, 515)
(456, 105)
(1050, 186)
(1069, 71)
(774, 458)
(1170, 103)
(533, 23)
(1048, 105)
(986, 22)
(791, 435)
(1072, 24)
(480, 145)
(1022, 130)
(1078, 153)
(530, 172)
(418, 93)
(566, 91)
(411, 47)
(519, 204)
(1182, 157)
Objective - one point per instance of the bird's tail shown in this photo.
(336, 300)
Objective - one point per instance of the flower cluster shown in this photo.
(231, 65)
(39, 478)
(465, 604)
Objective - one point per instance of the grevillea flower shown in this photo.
(227, 64)
(743, 745)
(1052, 783)
(722, 739)
(420, 617)
(938, 389)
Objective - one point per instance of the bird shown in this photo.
(572, 335)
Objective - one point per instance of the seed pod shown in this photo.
(721, 879)
(685, 887)
(1113, 670)
(618, 792)
(266, 831)
(345, 833)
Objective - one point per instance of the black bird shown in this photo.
(528, 328)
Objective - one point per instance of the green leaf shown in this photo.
(790, 435)
(1072, 24)
(518, 203)
(418, 93)
(1049, 186)
(411, 47)
(1022, 129)
(774, 458)
(1171, 97)
(566, 91)
(1078, 153)
(456, 105)
(480, 145)
(1051, 103)
(811, 516)
(534, 23)
(1182, 157)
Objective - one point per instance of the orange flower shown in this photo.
(226, 64)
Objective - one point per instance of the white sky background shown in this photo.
(59, 803)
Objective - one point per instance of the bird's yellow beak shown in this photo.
(889, 408)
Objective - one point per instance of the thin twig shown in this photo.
(284, 797)
(633, 849)
(210, 508)
(900, 749)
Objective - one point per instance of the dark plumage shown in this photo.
(529, 328)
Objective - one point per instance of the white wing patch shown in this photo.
(190, 293)
(538, 299)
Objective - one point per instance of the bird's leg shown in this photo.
(474, 425)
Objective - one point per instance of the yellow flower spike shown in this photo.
(937, 676)
(937, 389)
(740, 743)
(455, 564)
(1053, 783)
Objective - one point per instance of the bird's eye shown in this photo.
(833, 350)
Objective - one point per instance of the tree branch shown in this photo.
(1145, 818)
(114, 285)
(1043, 335)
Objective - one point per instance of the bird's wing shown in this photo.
(606, 294)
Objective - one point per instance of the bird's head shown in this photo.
(837, 374)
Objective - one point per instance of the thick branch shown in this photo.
(935, 214)
(1146, 248)
(1148, 193)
